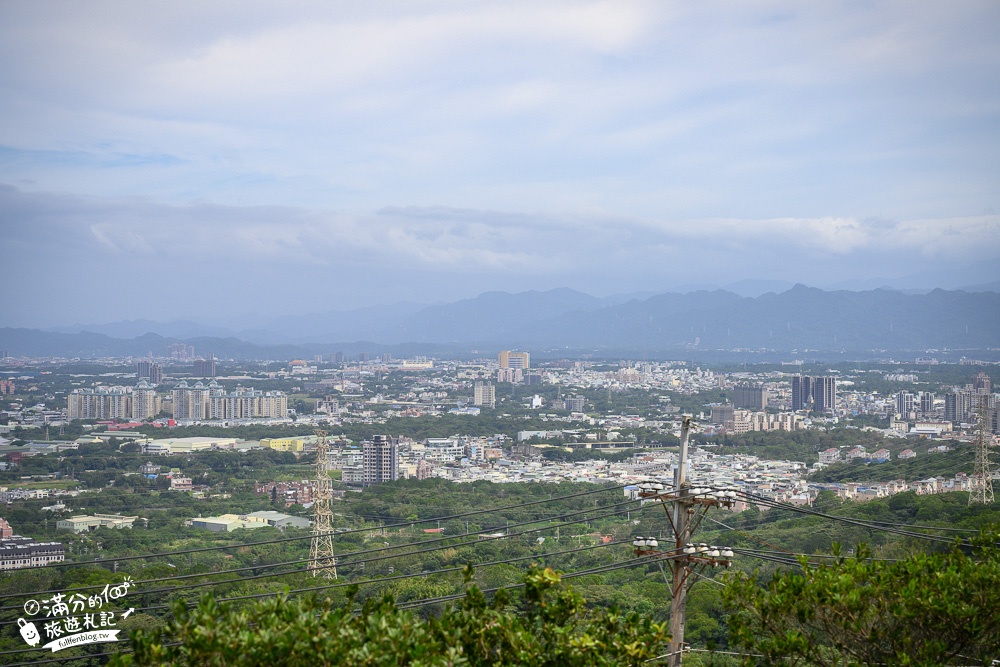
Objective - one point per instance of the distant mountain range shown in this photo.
(796, 319)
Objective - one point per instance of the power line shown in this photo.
(219, 583)
(569, 575)
(341, 532)
(398, 577)
(407, 605)
(366, 551)
(767, 502)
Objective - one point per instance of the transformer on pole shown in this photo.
(322, 561)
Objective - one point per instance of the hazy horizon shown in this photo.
(226, 161)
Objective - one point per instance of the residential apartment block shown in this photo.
(484, 394)
(18, 552)
(380, 460)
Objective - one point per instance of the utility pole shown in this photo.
(683, 509)
(322, 561)
(982, 477)
(687, 506)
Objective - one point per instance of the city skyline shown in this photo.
(212, 162)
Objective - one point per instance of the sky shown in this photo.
(225, 160)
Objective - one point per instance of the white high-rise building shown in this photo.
(145, 402)
(380, 462)
(214, 402)
(100, 403)
(484, 394)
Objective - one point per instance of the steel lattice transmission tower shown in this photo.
(982, 476)
(322, 561)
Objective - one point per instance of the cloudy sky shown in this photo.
(218, 160)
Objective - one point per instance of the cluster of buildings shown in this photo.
(289, 493)
(212, 402)
(736, 421)
(18, 552)
(818, 394)
(860, 452)
(197, 402)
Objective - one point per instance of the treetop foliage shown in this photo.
(550, 626)
(924, 611)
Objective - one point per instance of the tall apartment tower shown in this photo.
(484, 394)
(145, 403)
(957, 405)
(824, 392)
(905, 402)
(801, 392)
(981, 383)
(380, 461)
(519, 360)
(149, 371)
(750, 396)
(204, 368)
(814, 393)
(99, 403)
(191, 402)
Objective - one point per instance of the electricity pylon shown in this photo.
(982, 477)
(322, 561)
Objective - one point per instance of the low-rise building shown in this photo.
(87, 524)
(226, 523)
(283, 444)
(167, 446)
(290, 493)
(831, 455)
(180, 483)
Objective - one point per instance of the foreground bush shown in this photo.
(924, 611)
(553, 627)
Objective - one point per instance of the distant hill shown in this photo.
(801, 318)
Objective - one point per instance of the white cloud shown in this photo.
(514, 141)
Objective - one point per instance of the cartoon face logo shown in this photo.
(29, 632)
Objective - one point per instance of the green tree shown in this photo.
(552, 627)
(924, 611)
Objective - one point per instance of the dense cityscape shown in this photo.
(476, 334)
(541, 413)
